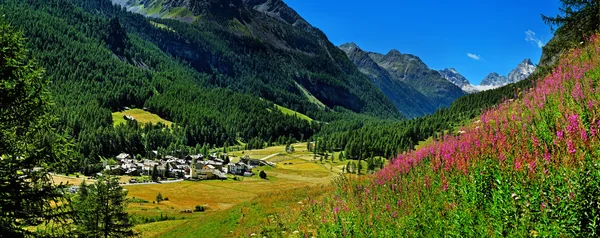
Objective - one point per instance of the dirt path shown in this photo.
(270, 156)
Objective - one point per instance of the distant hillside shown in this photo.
(405, 97)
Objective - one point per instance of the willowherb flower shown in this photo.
(560, 135)
(583, 134)
(570, 147)
(573, 126)
(518, 164)
(577, 92)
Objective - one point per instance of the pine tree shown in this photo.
(155, 173)
(348, 167)
(578, 20)
(29, 146)
(101, 210)
(167, 170)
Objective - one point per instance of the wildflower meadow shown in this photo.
(527, 167)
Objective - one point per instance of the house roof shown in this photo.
(122, 156)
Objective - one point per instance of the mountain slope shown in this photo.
(264, 48)
(411, 70)
(406, 98)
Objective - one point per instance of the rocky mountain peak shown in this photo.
(452, 75)
(523, 70)
(349, 47)
(494, 79)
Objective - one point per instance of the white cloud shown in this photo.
(530, 36)
(473, 56)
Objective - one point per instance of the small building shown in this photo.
(129, 118)
(195, 157)
(252, 162)
(238, 169)
(208, 173)
(123, 156)
(170, 158)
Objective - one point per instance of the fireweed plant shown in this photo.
(528, 167)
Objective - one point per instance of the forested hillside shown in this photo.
(98, 66)
(274, 55)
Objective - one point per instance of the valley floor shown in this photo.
(228, 203)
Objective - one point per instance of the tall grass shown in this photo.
(528, 167)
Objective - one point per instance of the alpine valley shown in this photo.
(239, 118)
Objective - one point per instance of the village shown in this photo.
(191, 167)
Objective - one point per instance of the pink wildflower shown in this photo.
(577, 92)
(573, 123)
(560, 135)
(571, 147)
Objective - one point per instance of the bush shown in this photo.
(262, 175)
(159, 198)
(166, 199)
(199, 208)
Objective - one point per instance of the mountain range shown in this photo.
(412, 86)
(273, 32)
(492, 80)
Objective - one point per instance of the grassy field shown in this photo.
(310, 97)
(141, 116)
(162, 26)
(292, 113)
(233, 207)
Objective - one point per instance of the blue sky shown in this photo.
(476, 37)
